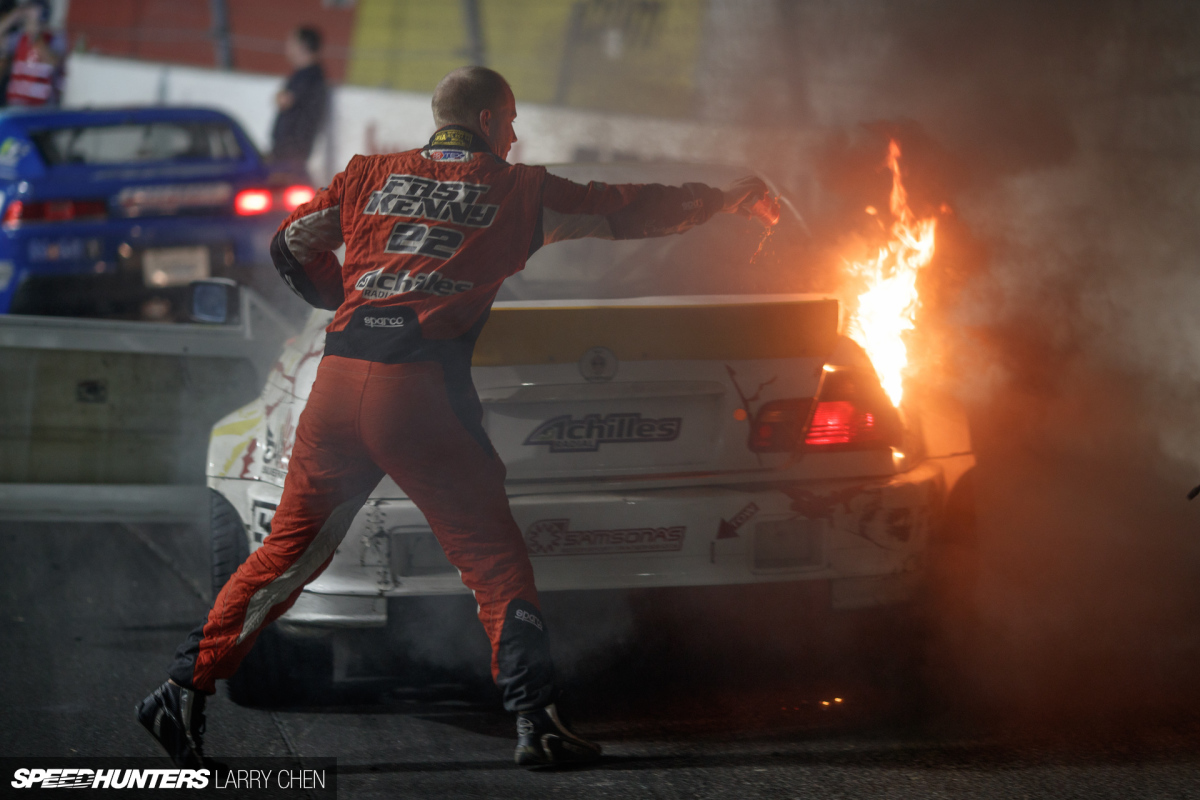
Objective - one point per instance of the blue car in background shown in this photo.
(111, 213)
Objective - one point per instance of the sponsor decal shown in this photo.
(447, 155)
(12, 151)
(532, 619)
(729, 529)
(441, 201)
(454, 137)
(271, 450)
(276, 454)
(56, 250)
(379, 285)
(598, 364)
(138, 200)
(383, 322)
(261, 514)
(279, 475)
(566, 434)
(553, 537)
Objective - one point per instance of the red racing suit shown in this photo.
(430, 235)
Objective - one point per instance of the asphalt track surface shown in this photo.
(90, 613)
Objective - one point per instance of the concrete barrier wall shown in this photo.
(88, 401)
(82, 417)
(370, 121)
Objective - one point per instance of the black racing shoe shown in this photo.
(543, 739)
(175, 718)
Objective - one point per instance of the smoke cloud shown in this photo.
(1063, 306)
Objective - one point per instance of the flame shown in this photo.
(887, 308)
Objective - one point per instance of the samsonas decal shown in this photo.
(554, 537)
(566, 434)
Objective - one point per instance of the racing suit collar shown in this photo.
(458, 137)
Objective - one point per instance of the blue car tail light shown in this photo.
(22, 212)
(296, 196)
(249, 202)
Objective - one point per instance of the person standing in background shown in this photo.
(34, 54)
(6, 7)
(302, 102)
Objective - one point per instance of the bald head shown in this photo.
(480, 100)
(466, 91)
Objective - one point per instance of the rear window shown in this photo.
(132, 143)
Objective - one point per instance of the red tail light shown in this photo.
(296, 196)
(20, 212)
(840, 422)
(851, 413)
(248, 202)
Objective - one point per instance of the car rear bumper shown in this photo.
(867, 538)
(107, 257)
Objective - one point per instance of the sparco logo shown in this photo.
(525, 616)
(377, 284)
(110, 778)
(423, 198)
(383, 322)
(566, 434)
(553, 537)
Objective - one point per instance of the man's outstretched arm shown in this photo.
(633, 211)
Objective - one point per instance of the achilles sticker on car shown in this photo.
(566, 434)
(553, 537)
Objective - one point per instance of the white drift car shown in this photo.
(670, 416)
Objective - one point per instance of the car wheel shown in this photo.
(279, 670)
(954, 549)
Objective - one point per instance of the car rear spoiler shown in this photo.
(721, 331)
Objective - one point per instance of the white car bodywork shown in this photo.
(624, 425)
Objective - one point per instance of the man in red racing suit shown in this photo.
(430, 235)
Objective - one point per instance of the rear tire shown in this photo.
(279, 670)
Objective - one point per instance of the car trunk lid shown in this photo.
(647, 386)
